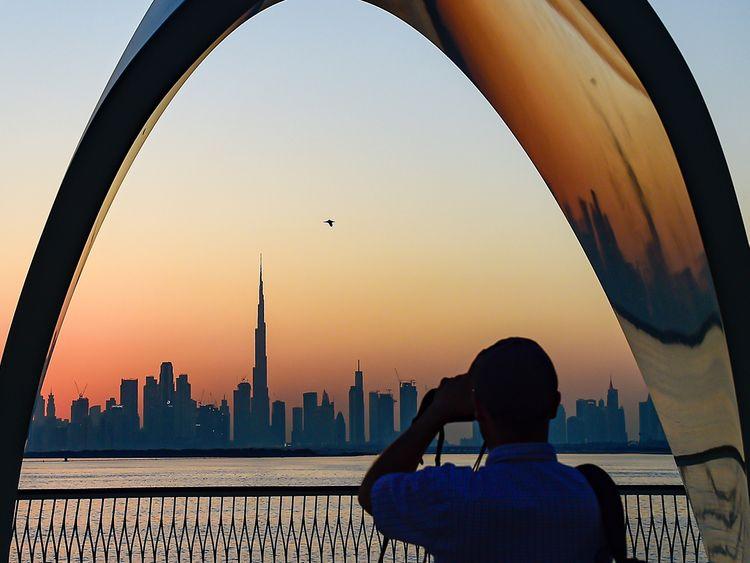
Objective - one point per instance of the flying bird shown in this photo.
(330, 222)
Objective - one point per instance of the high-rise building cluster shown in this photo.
(173, 419)
(603, 423)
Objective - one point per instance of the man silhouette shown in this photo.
(522, 505)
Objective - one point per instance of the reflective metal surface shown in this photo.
(590, 125)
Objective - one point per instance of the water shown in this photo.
(625, 469)
(269, 528)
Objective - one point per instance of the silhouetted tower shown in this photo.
(386, 427)
(339, 431)
(129, 402)
(129, 396)
(615, 414)
(297, 426)
(166, 382)
(184, 410)
(357, 409)
(407, 408)
(223, 431)
(325, 420)
(613, 399)
(310, 407)
(38, 414)
(51, 412)
(79, 423)
(37, 425)
(260, 406)
(242, 414)
(651, 431)
(151, 410)
(372, 407)
(558, 427)
(278, 423)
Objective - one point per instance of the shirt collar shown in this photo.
(531, 451)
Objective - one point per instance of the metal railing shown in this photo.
(273, 523)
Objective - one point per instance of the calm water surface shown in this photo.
(203, 472)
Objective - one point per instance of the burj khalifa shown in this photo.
(260, 428)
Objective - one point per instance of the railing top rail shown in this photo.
(654, 490)
(270, 491)
(156, 492)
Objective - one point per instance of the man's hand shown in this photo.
(452, 401)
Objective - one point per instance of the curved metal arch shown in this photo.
(690, 319)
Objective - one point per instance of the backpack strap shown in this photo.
(611, 509)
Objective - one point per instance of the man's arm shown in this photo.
(452, 403)
(402, 456)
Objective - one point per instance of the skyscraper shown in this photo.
(558, 431)
(51, 412)
(576, 431)
(325, 420)
(37, 425)
(297, 426)
(278, 423)
(339, 431)
(357, 409)
(651, 431)
(223, 432)
(184, 410)
(38, 414)
(592, 418)
(79, 423)
(241, 405)
(386, 427)
(260, 408)
(616, 433)
(310, 408)
(129, 402)
(166, 382)
(151, 410)
(372, 411)
(407, 408)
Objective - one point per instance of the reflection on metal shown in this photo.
(604, 105)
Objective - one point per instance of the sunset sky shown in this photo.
(446, 237)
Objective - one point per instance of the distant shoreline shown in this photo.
(305, 452)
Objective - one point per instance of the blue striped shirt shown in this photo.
(523, 505)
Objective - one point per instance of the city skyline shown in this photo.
(251, 402)
(169, 417)
(172, 418)
(311, 423)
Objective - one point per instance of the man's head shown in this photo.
(515, 389)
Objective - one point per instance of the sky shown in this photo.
(446, 237)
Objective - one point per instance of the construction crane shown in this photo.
(78, 390)
(402, 381)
